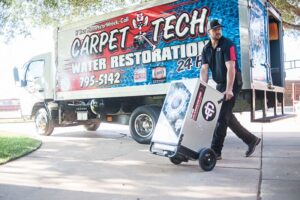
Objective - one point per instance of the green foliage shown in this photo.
(290, 9)
(12, 147)
(18, 17)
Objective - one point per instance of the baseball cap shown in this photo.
(213, 24)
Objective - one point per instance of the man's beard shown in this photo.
(217, 37)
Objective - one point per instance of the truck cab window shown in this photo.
(35, 70)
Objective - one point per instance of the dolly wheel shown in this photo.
(175, 160)
(207, 159)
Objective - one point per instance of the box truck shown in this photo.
(117, 67)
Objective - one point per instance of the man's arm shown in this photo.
(204, 73)
(230, 65)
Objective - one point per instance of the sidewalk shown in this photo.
(108, 164)
(281, 160)
(280, 172)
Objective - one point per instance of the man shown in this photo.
(219, 56)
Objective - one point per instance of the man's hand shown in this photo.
(228, 95)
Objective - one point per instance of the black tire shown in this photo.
(207, 159)
(92, 126)
(142, 123)
(43, 123)
(176, 160)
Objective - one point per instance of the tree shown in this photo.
(18, 17)
(290, 10)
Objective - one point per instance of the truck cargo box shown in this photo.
(140, 50)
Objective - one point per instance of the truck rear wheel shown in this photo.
(92, 126)
(43, 124)
(142, 123)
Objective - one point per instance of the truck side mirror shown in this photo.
(16, 74)
(20, 83)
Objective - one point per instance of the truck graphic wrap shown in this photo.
(259, 45)
(150, 46)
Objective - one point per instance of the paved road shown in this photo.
(108, 164)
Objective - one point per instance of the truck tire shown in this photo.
(43, 123)
(92, 126)
(142, 123)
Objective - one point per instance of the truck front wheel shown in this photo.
(43, 124)
(142, 123)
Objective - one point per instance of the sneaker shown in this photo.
(252, 146)
(218, 157)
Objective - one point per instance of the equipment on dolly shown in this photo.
(187, 122)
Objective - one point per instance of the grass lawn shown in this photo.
(13, 147)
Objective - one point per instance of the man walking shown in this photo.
(219, 56)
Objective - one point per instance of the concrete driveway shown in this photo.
(108, 164)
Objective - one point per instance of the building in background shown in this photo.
(292, 83)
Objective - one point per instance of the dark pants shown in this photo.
(227, 119)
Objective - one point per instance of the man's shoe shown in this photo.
(218, 155)
(252, 146)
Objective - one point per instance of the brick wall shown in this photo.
(288, 92)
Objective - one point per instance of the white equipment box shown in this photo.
(187, 122)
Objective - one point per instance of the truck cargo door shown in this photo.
(259, 41)
(275, 39)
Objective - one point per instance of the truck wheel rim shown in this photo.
(41, 122)
(143, 125)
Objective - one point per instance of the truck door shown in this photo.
(34, 86)
(34, 78)
(259, 42)
(275, 39)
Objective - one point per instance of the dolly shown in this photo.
(187, 122)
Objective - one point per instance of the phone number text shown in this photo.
(102, 80)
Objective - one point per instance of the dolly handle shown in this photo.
(221, 100)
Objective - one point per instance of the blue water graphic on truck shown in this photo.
(226, 11)
(155, 45)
